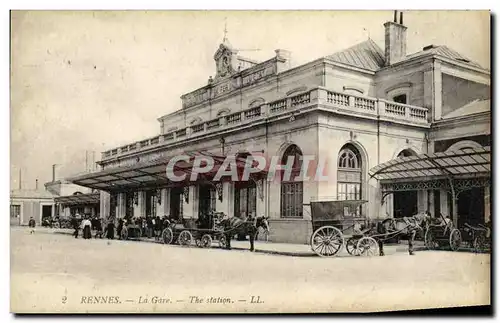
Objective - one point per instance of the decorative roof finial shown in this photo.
(224, 40)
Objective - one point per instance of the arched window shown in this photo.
(406, 153)
(349, 179)
(292, 190)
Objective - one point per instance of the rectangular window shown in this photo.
(15, 210)
(348, 191)
(291, 200)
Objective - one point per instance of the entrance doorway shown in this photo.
(206, 204)
(46, 211)
(245, 199)
(405, 203)
(470, 207)
(176, 194)
(150, 204)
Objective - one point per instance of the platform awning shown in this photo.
(78, 199)
(464, 163)
(151, 174)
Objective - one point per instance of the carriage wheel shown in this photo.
(327, 241)
(455, 239)
(352, 246)
(124, 234)
(367, 246)
(185, 238)
(206, 241)
(167, 236)
(222, 241)
(429, 241)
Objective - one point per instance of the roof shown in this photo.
(31, 194)
(366, 55)
(369, 56)
(151, 174)
(79, 199)
(444, 51)
(476, 106)
(466, 162)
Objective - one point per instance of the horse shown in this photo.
(234, 225)
(406, 226)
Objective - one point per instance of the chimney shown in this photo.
(54, 172)
(36, 184)
(395, 40)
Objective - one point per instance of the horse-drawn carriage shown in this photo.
(478, 237)
(203, 233)
(332, 222)
(442, 234)
(335, 221)
(131, 231)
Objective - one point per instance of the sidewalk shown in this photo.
(286, 249)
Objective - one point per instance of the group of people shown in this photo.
(150, 226)
(87, 224)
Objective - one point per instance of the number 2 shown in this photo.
(64, 299)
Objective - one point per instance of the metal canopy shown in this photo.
(465, 163)
(79, 199)
(151, 174)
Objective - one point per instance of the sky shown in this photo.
(94, 80)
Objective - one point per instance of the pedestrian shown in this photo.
(75, 225)
(110, 230)
(157, 225)
(98, 228)
(32, 224)
(86, 228)
(119, 228)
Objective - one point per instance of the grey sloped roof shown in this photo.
(444, 51)
(366, 55)
(369, 56)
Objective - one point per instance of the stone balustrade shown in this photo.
(347, 103)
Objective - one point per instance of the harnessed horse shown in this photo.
(406, 226)
(233, 226)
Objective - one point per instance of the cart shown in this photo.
(442, 234)
(478, 237)
(131, 231)
(333, 222)
(189, 230)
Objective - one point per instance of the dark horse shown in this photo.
(397, 227)
(234, 225)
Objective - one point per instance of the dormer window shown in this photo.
(400, 99)
(399, 93)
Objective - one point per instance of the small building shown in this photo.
(71, 199)
(27, 203)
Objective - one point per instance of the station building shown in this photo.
(360, 109)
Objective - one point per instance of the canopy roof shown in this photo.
(153, 174)
(78, 199)
(467, 162)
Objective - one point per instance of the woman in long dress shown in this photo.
(86, 226)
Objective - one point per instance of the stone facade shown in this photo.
(321, 107)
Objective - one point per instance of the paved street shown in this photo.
(57, 273)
